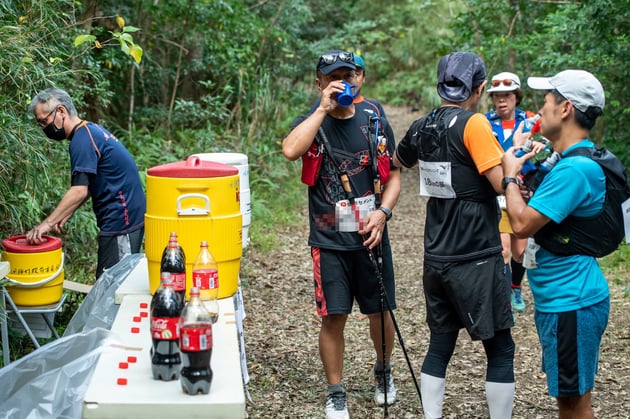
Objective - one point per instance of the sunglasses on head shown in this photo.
(506, 82)
(346, 57)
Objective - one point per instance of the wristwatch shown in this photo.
(387, 211)
(508, 180)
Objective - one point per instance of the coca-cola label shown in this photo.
(196, 338)
(179, 281)
(205, 279)
(165, 328)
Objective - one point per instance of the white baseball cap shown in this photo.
(504, 82)
(578, 86)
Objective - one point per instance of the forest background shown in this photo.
(178, 77)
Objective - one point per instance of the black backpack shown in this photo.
(602, 233)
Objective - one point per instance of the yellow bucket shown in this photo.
(36, 276)
(199, 200)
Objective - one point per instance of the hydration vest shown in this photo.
(440, 136)
(597, 235)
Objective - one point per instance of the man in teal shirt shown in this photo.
(571, 294)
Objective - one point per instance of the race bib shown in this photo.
(529, 257)
(502, 202)
(349, 217)
(436, 179)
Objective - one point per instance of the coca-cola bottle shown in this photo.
(174, 262)
(166, 310)
(195, 342)
(205, 276)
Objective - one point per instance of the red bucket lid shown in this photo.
(18, 244)
(193, 167)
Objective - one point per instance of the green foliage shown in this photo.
(123, 38)
(401, 43)
(543, 38)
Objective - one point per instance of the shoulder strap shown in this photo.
(613, 168)
(374, 125)
(345, 181)
(321, 135)
(434, 128)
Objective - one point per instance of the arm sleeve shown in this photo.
(80, 179)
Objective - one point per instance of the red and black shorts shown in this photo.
(340, 277)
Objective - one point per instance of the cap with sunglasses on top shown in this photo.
(332, 60)
(578, 86)
(504, 82)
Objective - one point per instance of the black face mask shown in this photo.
(53, 132)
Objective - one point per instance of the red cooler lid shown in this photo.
(18, 244)
(193, 167)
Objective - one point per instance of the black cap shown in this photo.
(336, 55)
(458, 73)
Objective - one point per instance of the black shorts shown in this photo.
(472, 294)
(340, 277)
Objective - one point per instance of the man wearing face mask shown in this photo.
(101, 168)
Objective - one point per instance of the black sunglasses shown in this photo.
(327, 59)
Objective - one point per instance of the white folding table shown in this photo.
(123, 386)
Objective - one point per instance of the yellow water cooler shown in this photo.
(37, 273)
(200, 201)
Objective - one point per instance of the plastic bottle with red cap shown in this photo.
(205, 276)
(165, 310)
(195, 342)
(173, 261)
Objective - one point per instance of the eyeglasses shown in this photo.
(43, 122)
(327, 59)
(506, 82)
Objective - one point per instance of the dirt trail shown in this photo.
(281, 331)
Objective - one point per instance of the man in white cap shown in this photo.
(571, 295)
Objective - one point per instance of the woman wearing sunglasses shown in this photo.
(505, 118)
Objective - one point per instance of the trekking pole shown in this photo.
(391, 313)
(383, 344)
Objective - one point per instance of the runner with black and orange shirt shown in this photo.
(463, 272)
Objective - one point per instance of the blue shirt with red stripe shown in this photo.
(118, 199)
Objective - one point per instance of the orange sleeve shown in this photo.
(481, 143)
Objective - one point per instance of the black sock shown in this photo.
(379, 366)
(518, 271)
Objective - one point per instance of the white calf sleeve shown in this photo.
(500, 397)
(432, 392)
